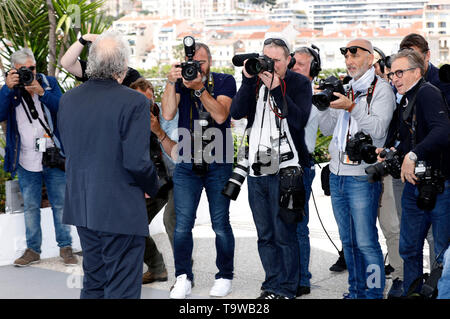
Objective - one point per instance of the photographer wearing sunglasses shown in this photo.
(366, 107)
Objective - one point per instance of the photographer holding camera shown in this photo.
(29, 102)
(161, 140)
(420, 133)
(277, 104)
(203, 100)
(362, 114)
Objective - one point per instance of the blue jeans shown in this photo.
(30, 184)
(277, 241)
(355, 206)
(414, 227)
(187, 190)
(303, 230)
(444, 281)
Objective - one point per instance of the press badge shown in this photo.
(346, 160)
(40, 145)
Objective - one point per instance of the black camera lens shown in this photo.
(233, 186)
(376, 172)
(254, 66)
(189, 71)
(427, 197)
(322, 100)
(26, 76)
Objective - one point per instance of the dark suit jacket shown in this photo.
(105, 130)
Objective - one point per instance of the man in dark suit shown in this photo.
(105, 130)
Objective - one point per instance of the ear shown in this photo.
(427, 56)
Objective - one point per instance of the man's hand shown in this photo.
(266, 77)
(174, 73)
(407, 172)
(155, 126)
(35, 87)
(12, 79)
(91, 37)
(342, 102)
(195, 84)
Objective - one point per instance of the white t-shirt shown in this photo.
(29, 158)
(264, 138)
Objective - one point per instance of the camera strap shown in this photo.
(201, 108)
(33, 114)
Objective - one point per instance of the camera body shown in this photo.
(205, 121)
(26, 77)
(263, 162)
(190, 68)
(360, 147)
(164, 180)
(322, 99)
(256, 65)
(391, 165)
(52, 158)
(430, 183)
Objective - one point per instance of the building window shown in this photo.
(430, 25)
(442, 24)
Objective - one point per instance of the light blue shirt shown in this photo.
(171, 129)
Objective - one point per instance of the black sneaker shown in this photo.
(267, 295)
(396, 290)
(388, 269)
(282, 297)
(340, 264)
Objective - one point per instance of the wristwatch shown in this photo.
(198, 93)
(83, 41)
(412, 156)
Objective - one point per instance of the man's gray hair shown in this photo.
(199, 45)
(415, 59)
(21, 56)
(109, 56)
(304, 50)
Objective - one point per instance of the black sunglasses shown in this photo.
(278, 42)
(32, 68)
(352, 49)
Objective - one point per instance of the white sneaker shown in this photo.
(182, 288)
(221, 288)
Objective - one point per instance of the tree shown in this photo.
(47, 27)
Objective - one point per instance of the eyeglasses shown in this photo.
(398, 73)
(352, 49)
(278, 42)
(32, 68)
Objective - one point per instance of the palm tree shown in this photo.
(47, 27)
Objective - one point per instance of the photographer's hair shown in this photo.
(199, 45)
(304, 50)
(108, 57)
(415, 59)
(285, 49)
(142, 84)
(21, 56)
(416, 40)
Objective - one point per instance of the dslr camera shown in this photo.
(190, 68)
(322, 99)
(52, 158)
(431, 182)
(26, 76)
(360, 147)
(391, 165)
(165, 181)
(263, 162)
(256, 65)
(205, 121)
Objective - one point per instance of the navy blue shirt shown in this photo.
(223, 84)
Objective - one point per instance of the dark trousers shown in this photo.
(112, 265)
(152, 256)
